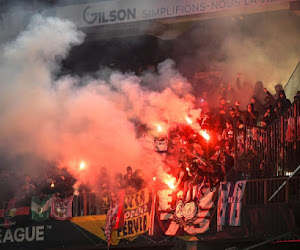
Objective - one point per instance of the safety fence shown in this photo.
(272, 151)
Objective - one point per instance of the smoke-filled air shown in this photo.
(67, 121)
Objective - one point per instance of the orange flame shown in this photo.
(188, 120)
(52, 184)
(204, 134)
(154, 178)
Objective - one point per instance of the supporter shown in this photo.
(233, 117)
(258, 106)
(297, 96)
(264, 122)
(118, 182)
(240, 124)
(279, 109)
(249, 116)
(258, 92)
(269, 116)
(223, 107)
(282, 98)
(181, 175)
(128, 176)
(228, 132)
(105, 199)
(137, 180)
(228, 162)
(197, 177)
(269, 101)
(218, 123)
(277, 88)
(104, 177)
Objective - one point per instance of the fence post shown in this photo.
(287, 192)
(265, 192)
(235, 149)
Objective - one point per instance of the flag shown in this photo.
(230, 204)
(115, 216)
(189, 217)
(120, 213)
(40, 208)
(152, 214)
(61, 208)
(13, 213)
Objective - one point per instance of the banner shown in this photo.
(136, 214)
(40, 208)
(189, 217)
(230, 204)
(61, 208)
(13, 213)
(115, 216)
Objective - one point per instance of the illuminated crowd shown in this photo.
(193, 158)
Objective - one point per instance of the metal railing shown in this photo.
(272, 151)
(258, 192)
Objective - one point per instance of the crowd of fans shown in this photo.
(190, 158)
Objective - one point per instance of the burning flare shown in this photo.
(188, 120)
(204, 134)
(82, 165)
(170, 181)
(159, 128)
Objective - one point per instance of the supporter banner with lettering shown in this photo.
(136, 219)
(136, 214)
(230, 204)
(189, 218)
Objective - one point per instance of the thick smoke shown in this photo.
(68, 120)
(262, 47)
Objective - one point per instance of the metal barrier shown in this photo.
(272, 151)
(258, 192)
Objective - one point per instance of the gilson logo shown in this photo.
(22, 234)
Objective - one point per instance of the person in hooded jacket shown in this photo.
(282, 98)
